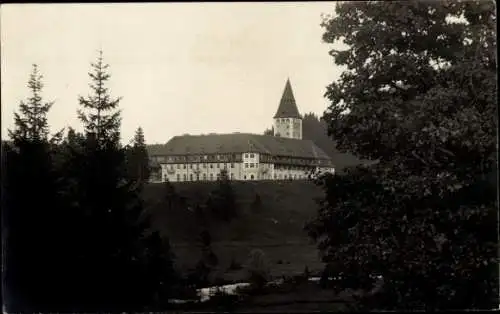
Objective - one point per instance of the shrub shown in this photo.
(234, 265)
(258, 269)
(257, 202)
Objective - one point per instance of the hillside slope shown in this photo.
(276, 226)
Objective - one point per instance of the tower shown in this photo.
(287, 120)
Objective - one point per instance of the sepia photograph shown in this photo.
(249, 157)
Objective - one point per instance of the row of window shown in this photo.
(195, 157)
(225, 166)
(251, 177)
(197, 177)
(298, 168)
(197, 166)
(290, 177)
(265, 158)
(285, 119)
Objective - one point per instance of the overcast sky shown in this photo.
(180, 67)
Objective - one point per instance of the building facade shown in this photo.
(283, 156)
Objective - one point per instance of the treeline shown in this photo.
(316, 129)
(76, 235)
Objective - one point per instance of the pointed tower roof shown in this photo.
(287, 107)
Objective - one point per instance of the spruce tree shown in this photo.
(137, 158)
(31, 121)
(100, 115)
(32, 209)
(113, 225)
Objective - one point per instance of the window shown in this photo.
(251, 177)
(275, 176)
(232, 176)
(191, 166)
(251, 155)
(211, 165)
(178, 177)
(251, 165)
(204, 177)
(246, 165)
(178, 166)
(246, 155)
(218, 166)
(165, 177)
(184, 166)
(204, 165)
(225, 166)
(218, 176)
(185, 177)
(244, 177)
(232, 165)
(191, 177)
(211, 176)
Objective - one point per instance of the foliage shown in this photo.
(316, 130)
(222, 202)
(77, 236)
(424, 216)
(31, 122)
(161, 274)
(257, 202)
(30, 184)
(107, 203)
(269, 131)
(208, 260)
(258, 269)
(102, 118)
(137, 159)
(234, 265)
(171, 195)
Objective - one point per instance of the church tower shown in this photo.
(287, 120)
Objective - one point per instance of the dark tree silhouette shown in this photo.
(137, 158)
(222, 201)
(425, 216)
(32, 208)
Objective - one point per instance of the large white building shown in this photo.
(281, 156)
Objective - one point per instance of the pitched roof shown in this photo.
(238, 143)
(287, 107)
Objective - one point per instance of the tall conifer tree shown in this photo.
(114, 227)
(31, 207)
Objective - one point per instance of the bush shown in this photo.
(258, 269)
(257, 202)
(234, 265)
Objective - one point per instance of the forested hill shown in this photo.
(315, 129)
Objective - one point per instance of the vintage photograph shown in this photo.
(249, 157)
